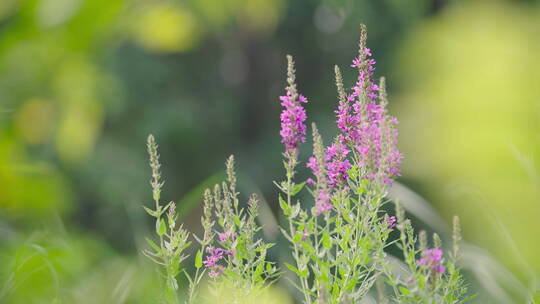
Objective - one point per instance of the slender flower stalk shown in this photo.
(456, 239)
(293, 133)
(293, 129)
(207, 224)
(364, 124)
(172, 240)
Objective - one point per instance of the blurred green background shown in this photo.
(83, 82)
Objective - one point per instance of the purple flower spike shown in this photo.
(337, 163)
(364, 124)
(293, 116)
(293, 129)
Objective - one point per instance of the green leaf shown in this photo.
(365, 182)
(404, 290)
(347, 218)
(161, 227)
(150, 211)
(335, 290)
(324, 272)
(198, 259)
(297, 237)
(326, 240)
(293, 269)
(295, 210)
(258, 271)
(297, 188)
(339, 221)
(352, 172)
(284, 206)
(537, 300)
(361, 190)
(352, 283)
(269, 267)
(153, 245)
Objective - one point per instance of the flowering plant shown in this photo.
(339, 245)
(232, 252)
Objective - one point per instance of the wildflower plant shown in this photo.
(230, 251)
(168, 251)
(339, 244)
(234, 252)
(433, 278)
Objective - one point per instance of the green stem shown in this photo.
(191, 294)
(303, 281)
(172, 297)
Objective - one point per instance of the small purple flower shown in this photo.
(225, 236)
(391, 222)
(432, 258)
(211, 261)
(216, 254)
(367, 51)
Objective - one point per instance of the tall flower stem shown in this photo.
(289, 188)
(173, 240)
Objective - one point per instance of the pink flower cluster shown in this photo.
(366, 127)
(336, 164)
(432, 258)
(366, 130)
(356, 121)
(293, 129)
(211, 261)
